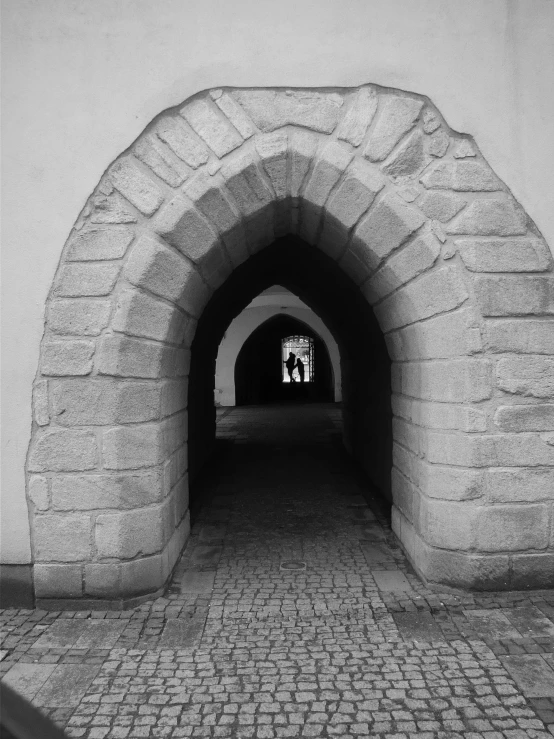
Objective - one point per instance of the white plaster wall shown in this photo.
(259, 311)
(82, 78)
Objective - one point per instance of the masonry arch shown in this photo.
(241, 329)
(458, 277)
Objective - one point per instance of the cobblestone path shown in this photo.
(292, 613)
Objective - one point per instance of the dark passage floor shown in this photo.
(292, 613)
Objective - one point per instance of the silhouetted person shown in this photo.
(290, 364)
(300, 368)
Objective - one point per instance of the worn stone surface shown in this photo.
(504, 255)
(463, 176)
(355, 123)
(409, 158)
(395, 116)
(515, 295)
(272, 109)
(213, 127)
(441, 206)
(78, 317)
(63, 450)
(527, 376)
(136, 186)
(88, 492)
(129, 534)
(62, 538)
(67, 357)
(191, 150)
(492, 217)
(99, 243)
(132, 447)
(525, 417)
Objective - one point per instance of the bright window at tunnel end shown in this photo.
(297, 355)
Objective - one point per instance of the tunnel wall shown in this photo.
(458, 276)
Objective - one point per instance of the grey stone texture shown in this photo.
(459, 278)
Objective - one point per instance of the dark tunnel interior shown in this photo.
(365, 365)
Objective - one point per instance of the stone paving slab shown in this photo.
(492, 624)
(420, 627)
(66, 686)
(28, 679)
(391, 582)
(532, 675)
(530, 621)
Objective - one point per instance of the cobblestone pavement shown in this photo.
(292, 613)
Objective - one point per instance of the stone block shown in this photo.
(62, 538)
(41, 413)
(504, 255)
(63, 450)
(303, 146)
(208, 195)
(99, 402)
(452, 381)
(451, 483)
(117, 491)
(434, 292)
(329, 166)
(179, 138)
(58, 581)
(272, 109)
(355, 194)
(494, 217)
(539, 417)
(142, 576)
(38, 492)
(389, 223)
(229, 107)
(440, 415)
(78, 317)
(129, 534)
(102, 580)
(525, 336)
(514, 295)
(132, 447)
(164, 272)
(60, 358)
(111, 209)
(213, 127)
(134, 184)
(416, 257)
(491, 450)
(527, 376)
(441, 206)
(272, 149)
(99, 244)
(182, 226)
(431, 120)
(405, 495)
(395, 117)
(243, 179)
(81, 280)
(358, 117)
(511, 528)
(463, 176)
(408, 160)
(448, 524)
(139, 314)
(533, 571)
(437, 144)
(174, 396)
(126, 357)
(513, 485)
(463, 149)
(161, 160)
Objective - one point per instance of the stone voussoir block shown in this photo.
(273, 109)
(163, 271)
(329, 166)
(99, 244)
(63, 450)
(396, 115)
(62, 537)
(244, 181)
(129, 534)
(103, 401)
(358, 117)
(133, 447)
(206, 119)
(232, 110)
(181, 225)
(409, 158)
(355, 194)
(79, 279)
(302, 149)
(524, 335)
(272, 149)
(78, 316)
(160, 158)
(175, 133)
(504, 255)
(416, 257)
(140, 189)
(528, 376)
(139, 314)
(388, 224)
(512, 295)
(512, 528)
(536, 417)
(513, 484)
(58, 581)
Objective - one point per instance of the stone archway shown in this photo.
(459, 278)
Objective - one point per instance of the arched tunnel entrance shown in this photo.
(260, 374)
(365, 365)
